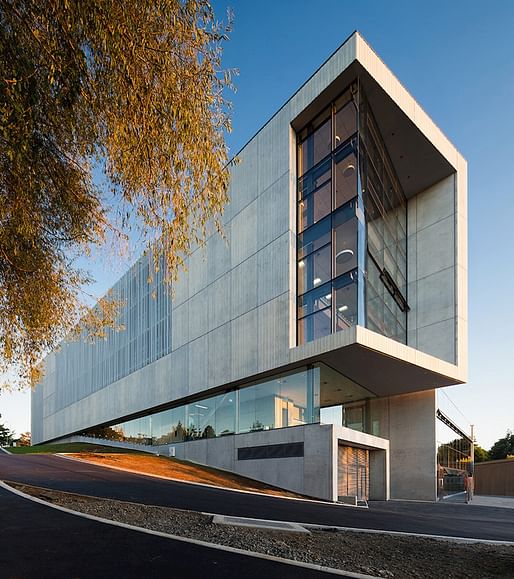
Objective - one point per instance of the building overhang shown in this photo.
(412, 139)
(379, 364)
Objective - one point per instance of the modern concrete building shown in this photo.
(306, 350)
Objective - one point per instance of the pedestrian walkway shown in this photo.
(487, 501)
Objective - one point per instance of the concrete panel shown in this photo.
(273, 211)
(180, 326)
(219, 347)
(221, 452)
(436, 247)
(244, 185)
(199, 313)
(198, 362)
(286, 473)
(413, 446)
(218, 254)
(273, 269)
(245, 345)
(436, 203)
(220, 302)
(196, 451)
(273, 333)
(244, 287)
(181, 286)
(198, 270)
(274, 150)
(438, 340)
(435, 297)
(318, 466)
(244, 240)
(378, 475)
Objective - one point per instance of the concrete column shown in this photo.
(412, 437)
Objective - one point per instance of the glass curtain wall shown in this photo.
(385, 211)
(351, 226)
(289, 399)
(327, 222)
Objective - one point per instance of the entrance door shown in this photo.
(353, 472)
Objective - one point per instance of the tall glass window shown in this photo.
(327, 222)
(348, 191)
(386, 225)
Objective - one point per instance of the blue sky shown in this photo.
(457, 60)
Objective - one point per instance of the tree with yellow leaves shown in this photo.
(135, 89)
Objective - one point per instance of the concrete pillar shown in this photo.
(412, 437)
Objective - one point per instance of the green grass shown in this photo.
(69, 447)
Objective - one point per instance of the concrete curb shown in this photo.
(188, 540)
(315, 527)
(263, 524)
(4, 450)
(64, 455)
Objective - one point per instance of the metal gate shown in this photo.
(353, 472)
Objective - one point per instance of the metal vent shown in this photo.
(287, 450)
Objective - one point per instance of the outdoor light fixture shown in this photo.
(342, 308)
(344, 255)
(349, 170)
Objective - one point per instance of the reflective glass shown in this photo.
(257, 409)
(345, 241)
(137, 431)
(168, 427)
(345, 172)
(315, 326)
(315, 179)
(315, 269)
(201, 419)
(346, 123)
(317, 299)
(315, 147)
(226, 413)
(314, 238)
(385, 213)
(315, 206)
(346, 300)
(286, 400)
(354, 416)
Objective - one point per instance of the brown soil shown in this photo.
(379, 555)
(175, 469)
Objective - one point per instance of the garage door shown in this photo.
(353, 472)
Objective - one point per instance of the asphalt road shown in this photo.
(449, 519)
(39, 542)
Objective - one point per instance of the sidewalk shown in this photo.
(487, 501)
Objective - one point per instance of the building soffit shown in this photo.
(419, 151)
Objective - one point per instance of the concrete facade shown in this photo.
(233, 317)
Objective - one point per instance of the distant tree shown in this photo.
(6, 435)
(481, 455)
(134, 90)
(105, 432)
(180, 433)
(209, 432)
(25, 439)
(503, 447)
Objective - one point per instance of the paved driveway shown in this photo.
(432, 518)
(39, 542)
